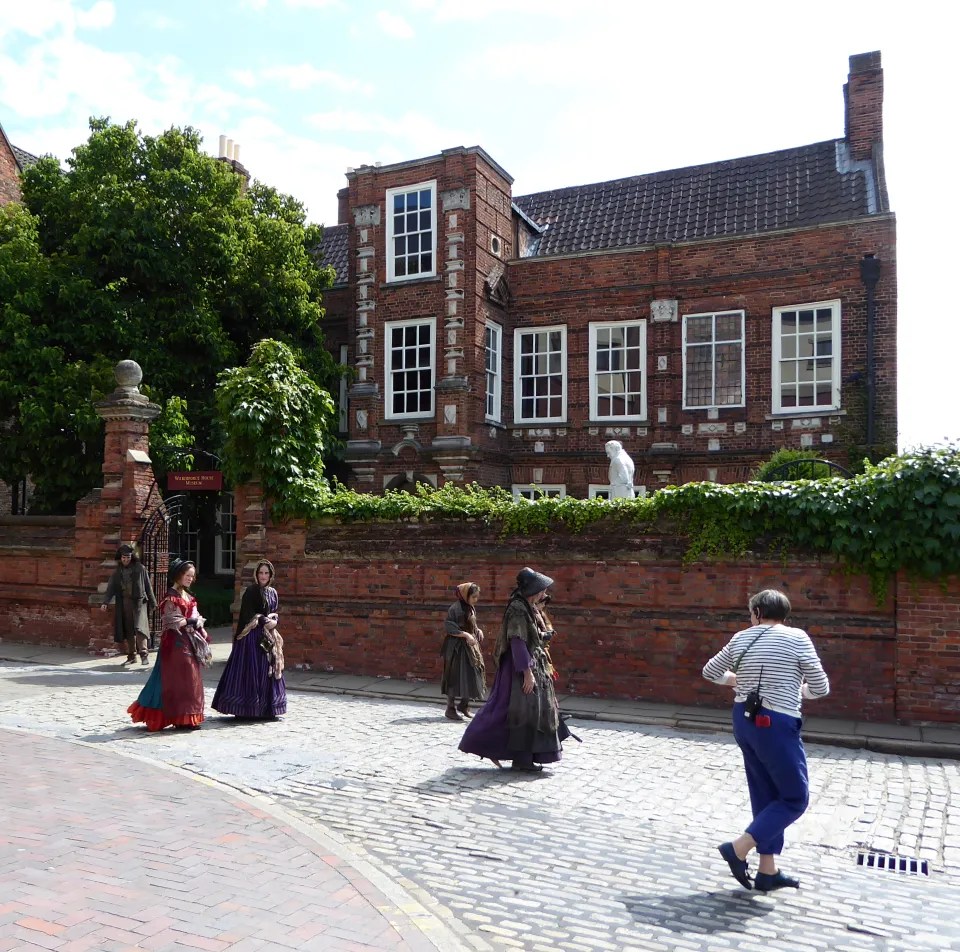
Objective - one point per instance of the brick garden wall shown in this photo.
(633, 622)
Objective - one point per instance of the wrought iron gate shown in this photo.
(164, 538)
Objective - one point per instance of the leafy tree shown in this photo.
(275, 417)
(146, 248)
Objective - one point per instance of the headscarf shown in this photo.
(256, 572)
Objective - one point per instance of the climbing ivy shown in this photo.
(902, 513)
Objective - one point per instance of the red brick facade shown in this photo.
(633, 622)
(483, 273)
(9, 172)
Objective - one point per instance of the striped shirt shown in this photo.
(788, 660)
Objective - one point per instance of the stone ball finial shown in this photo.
(128, 374)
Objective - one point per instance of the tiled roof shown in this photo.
(22, 157)
(335, 250)
(810, 185)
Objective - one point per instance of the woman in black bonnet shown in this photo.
(520, 721)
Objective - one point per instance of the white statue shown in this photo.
(621, 471)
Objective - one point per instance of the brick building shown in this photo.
(703, 316)
(12, 162)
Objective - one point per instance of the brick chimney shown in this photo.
(343, 206)
(863, 99)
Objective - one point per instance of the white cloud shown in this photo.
(98, 17)
(37, 18)
(304, 76)
(394, 26)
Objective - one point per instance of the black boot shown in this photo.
(451, 712)
(464, 707)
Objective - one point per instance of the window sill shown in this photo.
(802, 414)
(620, 421)
(406, 282)
(429, 418)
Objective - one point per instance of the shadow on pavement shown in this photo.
(699, 912)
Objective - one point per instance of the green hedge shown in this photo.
(902, 513)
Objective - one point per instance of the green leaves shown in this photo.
(149, 249)
(276, 419)
(903, 513)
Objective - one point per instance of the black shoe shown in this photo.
(526, 768)
(131, 659)
(738, 867)
(451, 714)
(767, 882)
(143, 657)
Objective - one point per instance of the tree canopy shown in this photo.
(147, 248)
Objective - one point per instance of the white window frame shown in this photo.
(743, 360)
(835, 353)
(533, 491)
(392, 276)
(518, 335)
(497, 373)
(220, 566)
(602, 491)
(389, 327)
(594, 372)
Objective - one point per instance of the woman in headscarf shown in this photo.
(130, 586)
(464, 675)
(520, 721)
(173, 693)
(252, 685)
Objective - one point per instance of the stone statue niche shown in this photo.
(621, 471)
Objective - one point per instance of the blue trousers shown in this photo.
(776, 767)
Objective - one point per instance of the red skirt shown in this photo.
(173, 693)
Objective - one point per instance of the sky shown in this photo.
(558, 92)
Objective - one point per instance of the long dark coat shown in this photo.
(144, 601)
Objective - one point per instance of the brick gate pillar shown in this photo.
(117, 512)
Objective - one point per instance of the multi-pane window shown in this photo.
(806, 357)
(493, 359)
(601, 491)
(534, 491)
(409, 360)
(713, 366)
(411, 232)
(225, 541)
(540, 375)
(618, 384)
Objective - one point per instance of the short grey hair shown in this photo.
(770, 605)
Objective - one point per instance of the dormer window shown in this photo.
(412, 232)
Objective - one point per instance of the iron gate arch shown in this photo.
(162, 540)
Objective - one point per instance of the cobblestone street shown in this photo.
(614, 849)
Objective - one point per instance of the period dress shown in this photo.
(464, 675)
(252, 684)
(524, 728)
(173, 693)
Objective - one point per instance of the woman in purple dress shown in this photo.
(520, 721)
(252, 686)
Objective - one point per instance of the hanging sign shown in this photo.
(197, 481)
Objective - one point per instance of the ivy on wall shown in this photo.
(902, 513)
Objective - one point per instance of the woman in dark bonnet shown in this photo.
(252, 685)
(173, 693)
(130, 586)
(520, 721)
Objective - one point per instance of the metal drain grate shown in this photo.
(894, 864)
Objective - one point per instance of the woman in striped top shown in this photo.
(782, 665)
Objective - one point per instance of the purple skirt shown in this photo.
(488, 734)
(246, 688)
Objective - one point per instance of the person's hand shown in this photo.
(479, 634)
(103, 607)
(469, 639)
(730, 680)
(528, 683)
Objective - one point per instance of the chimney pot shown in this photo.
(223, 146)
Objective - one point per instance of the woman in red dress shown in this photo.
(174, 692)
